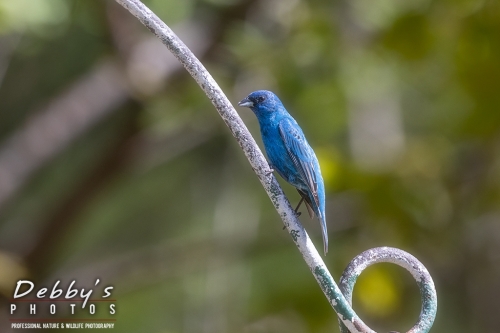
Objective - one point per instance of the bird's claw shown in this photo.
(296, 210)
(270, 171)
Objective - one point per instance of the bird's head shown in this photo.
(262, 102)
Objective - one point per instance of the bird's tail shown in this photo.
(324, 232)
(313, 209)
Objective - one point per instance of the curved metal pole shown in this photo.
(405, 260)
(256, 159)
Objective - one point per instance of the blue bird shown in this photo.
(289, 153)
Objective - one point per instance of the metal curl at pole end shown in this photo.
(405, 260)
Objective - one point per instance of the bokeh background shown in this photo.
(113, 163)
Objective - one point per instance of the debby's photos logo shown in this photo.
(60, 307)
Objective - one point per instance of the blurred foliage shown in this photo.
(399, 99)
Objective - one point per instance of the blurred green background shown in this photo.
(114, 165)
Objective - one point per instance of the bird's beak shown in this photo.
(246, 103)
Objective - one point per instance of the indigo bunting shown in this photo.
(289, 153)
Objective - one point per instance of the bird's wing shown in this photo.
(301, 154)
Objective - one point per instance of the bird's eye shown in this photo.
(260, 99)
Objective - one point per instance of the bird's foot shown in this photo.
(270, 171)
(296, 210)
